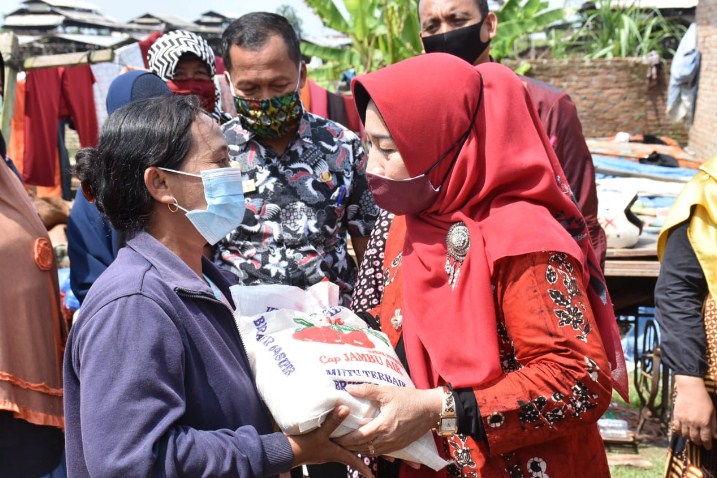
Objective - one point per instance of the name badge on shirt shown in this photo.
(249, 186)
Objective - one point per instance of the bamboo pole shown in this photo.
(9, 48)
(68, 59)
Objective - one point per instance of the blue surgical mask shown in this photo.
(225, 203)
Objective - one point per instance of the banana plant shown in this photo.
(610, 32)
(382, 32)
(519, 18)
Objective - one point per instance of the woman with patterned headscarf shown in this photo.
(186, 62)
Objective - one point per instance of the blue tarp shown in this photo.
(608, 166)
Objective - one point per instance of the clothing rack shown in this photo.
(10, 51)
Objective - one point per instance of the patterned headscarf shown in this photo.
(165, 53)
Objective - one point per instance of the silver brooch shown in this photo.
(397, 319)
(458, 241)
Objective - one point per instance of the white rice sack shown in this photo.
(304, 349)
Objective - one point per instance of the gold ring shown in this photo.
(371, 449)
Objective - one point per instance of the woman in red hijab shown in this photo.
(507, 327)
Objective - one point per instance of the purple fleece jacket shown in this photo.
(157, 382)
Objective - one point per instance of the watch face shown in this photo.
(449, 425)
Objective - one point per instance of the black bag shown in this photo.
(659, 159)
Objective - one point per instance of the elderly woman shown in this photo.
(186, 62)
(156, 378)
(506, 323)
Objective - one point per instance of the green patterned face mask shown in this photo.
(270, 118)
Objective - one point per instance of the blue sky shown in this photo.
(124, 10)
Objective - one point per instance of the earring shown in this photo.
(175, 204)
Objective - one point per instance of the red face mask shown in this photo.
(204, 89)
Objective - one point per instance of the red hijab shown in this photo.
(505, 184)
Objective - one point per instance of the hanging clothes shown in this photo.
(319, 101)
(42, 104)
(146, 44)
(353, 121)
(333, 106)
(128, 57)
(684, 73)
(16, 144)
(77, 96)
(337, 108)
(51, 94)
(65, 166)
(305, 95)
(54, 191)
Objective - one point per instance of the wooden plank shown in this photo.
(623, 268)
(636, 174)
(646, 247)
(68, 59)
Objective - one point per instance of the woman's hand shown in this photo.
(316, 447)
(694, 414)
(405, 415)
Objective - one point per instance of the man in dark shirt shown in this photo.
(465, 28)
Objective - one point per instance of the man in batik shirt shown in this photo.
(303, 175)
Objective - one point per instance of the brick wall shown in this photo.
(703, 134)
(612, 95)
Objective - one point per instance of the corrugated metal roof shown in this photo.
(152, 18)
(78, 4)
(91, 18)
(217, 13)
(33, 20)
(215, 19)
(35, 7)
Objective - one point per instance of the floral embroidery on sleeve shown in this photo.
(570, 307)
(542, 411)
(537, 467)
(592, 368)
(547, 398)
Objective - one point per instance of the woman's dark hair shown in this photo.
(150, 132)
(253, 30)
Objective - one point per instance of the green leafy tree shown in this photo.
(516, 20)
(382, 32)
(288, 12)
(612, 32)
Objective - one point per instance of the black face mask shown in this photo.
(465, 43)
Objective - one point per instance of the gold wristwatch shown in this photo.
(448, 422)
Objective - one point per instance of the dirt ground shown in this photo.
(652, 445)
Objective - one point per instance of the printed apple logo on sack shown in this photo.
(336, 333)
